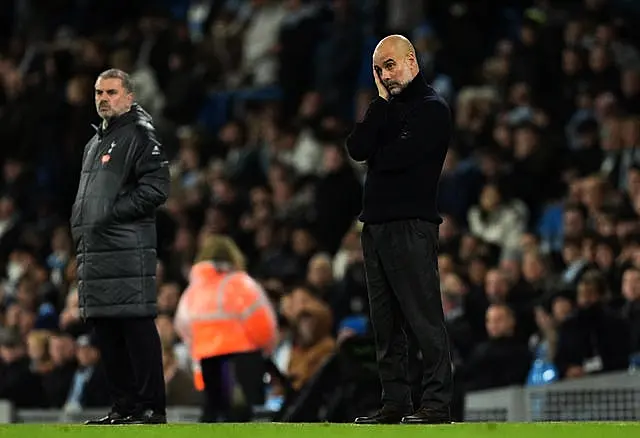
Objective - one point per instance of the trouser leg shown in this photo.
(215, 390)
(415, 369)
(387, 322)
(409, 253)
(248, 371)
(121, 380)
(145, 352)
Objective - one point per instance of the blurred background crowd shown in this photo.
(540, 194)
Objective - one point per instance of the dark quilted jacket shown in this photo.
(125, 177)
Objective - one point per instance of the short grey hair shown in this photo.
(114, 73)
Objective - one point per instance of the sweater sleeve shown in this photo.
(426, 130)
(363, 140)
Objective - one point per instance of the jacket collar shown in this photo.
(130, 116)
(417, 87)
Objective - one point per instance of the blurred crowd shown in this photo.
(540, 194)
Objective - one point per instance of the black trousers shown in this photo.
(221, 374)
(132, 357)
(401, 263)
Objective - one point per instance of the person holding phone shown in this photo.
(403, 139)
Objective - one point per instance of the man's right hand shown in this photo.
(382, 90)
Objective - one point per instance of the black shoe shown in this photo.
(428, 416)
(107, 419)
(146, 417)
(383, 416)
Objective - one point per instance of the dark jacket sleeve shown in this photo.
(151, 187)
(426, 129)
(615, 343)
(363, 140)
(568, 351)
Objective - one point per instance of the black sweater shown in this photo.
(404, 142)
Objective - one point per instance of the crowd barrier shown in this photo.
(606, 397)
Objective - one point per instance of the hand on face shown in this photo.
(394, 65)
(382, 90)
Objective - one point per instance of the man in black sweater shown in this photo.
(404, 138)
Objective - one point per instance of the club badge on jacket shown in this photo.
(107, 156)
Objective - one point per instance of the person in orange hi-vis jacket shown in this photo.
(228, 322)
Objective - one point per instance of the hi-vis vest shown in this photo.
(223, 313)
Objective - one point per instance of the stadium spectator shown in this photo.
(631, 309)
(57, 382)
(313, 342)
(89, 382)
(502, 360)
(594, 339)
(38, 351)
(18, 383)
(495, 221)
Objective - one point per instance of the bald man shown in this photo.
(403, 139)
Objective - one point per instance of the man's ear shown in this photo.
(411, 57)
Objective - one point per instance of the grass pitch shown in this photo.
(266, 430)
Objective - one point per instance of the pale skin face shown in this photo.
(394, 65)
(499, 322)
(112, 100)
